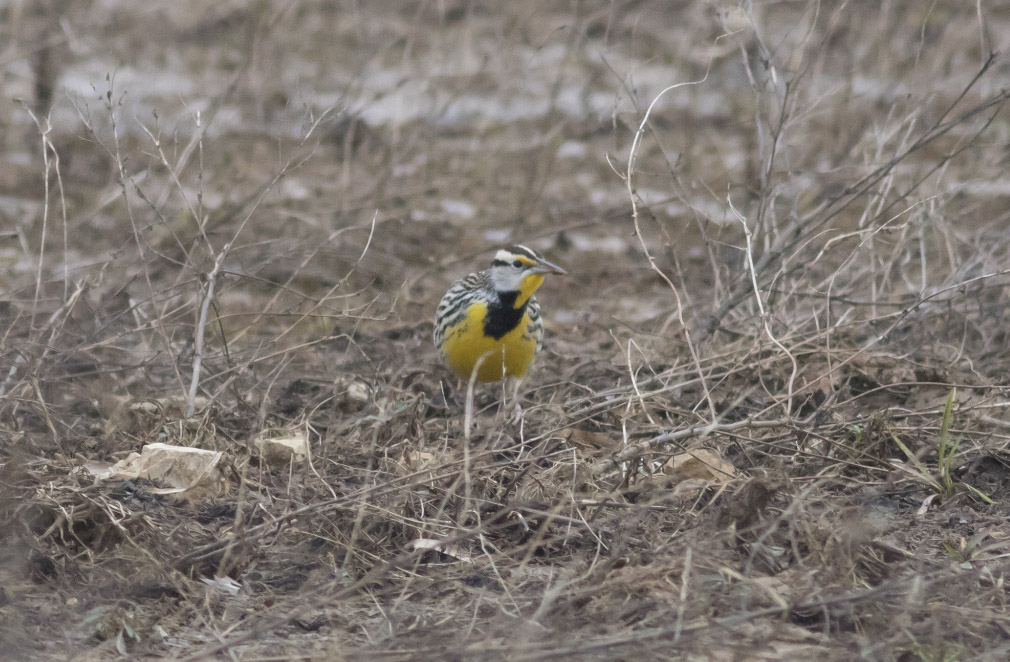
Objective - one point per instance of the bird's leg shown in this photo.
(511, 391)
(468, 409)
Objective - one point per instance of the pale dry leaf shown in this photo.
(412, 461)
(448, 549)
(193, 474)
(699, 464)
(223, 584)
(926, 503)
(281, 451)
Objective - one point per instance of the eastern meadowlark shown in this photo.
(493, 314)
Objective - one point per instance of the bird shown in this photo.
(488, 323)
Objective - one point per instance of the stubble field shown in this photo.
(771, 417)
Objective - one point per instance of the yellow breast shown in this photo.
(508, 356)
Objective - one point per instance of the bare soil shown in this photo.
(225, 222)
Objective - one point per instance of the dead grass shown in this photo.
(222, 223)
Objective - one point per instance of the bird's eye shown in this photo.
(517, 264)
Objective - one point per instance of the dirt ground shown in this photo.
(771, 417)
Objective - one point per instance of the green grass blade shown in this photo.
(925, 475)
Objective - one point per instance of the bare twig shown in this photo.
(201, 325)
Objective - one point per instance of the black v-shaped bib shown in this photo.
(502, 315)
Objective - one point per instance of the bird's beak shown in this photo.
(545, 267)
